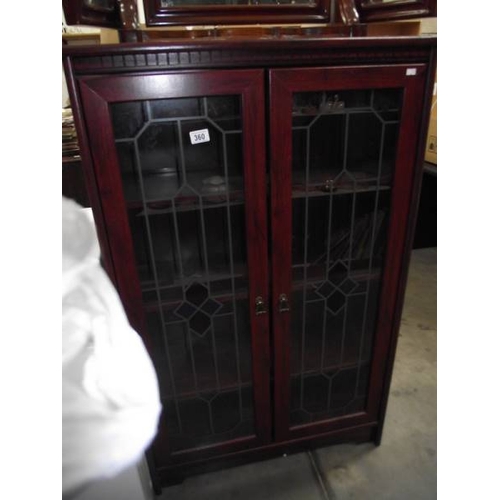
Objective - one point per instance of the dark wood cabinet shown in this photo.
(255, 203)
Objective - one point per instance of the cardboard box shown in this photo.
(431, 143)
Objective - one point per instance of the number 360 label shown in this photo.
(199, 136)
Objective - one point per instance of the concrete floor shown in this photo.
(403, 467)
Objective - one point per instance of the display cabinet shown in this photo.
(255, 201)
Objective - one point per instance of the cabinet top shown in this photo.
(262, 38)
(217, 52)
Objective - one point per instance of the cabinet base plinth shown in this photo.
(175, 474)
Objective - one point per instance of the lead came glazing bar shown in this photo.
(180, 260)
(342, 155)
(155, 274)
(327, 267)
(353, 216)
(207, 280)
(304, 285)
(372, 244)
(233, 287)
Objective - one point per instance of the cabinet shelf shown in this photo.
(184, 382)
(194, 363)
(219, 280)
(316, 273)
(332, 368)
(188, 204)
(151, 303)
(321, 190)
(315, 111)
(161, 189)
(327, 182)
(225, 386)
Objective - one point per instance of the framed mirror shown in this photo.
(102, 13)
(209, 12)
(387, 10)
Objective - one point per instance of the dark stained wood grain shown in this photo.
(254, 147)
(109, 184)
(92, 188)
(280, 102)
(177, 473)
(211, 53)
(406, 164)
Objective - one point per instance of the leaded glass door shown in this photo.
(179, 160)
(339, 180)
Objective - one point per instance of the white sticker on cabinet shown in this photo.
(199, 136)
(411, 71)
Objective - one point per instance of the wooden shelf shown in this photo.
(346, 365)
(160, 190)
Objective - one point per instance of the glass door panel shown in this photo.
(182, 170)
(182, 193)
(344, 147)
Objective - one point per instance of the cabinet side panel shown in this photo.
(410, 230)
(87, 168)
(105, 167)
(402, 197)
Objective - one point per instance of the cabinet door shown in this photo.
(178, 160)
(342, 168)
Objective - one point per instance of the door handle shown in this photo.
(260, 306)
(283, 305)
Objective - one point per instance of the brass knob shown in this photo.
(329, 186)
(283, 305)
(260, 306)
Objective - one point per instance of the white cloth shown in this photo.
(111, 405)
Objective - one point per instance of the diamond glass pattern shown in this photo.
(196, 294)
(348, 286)
(325, 289)
(336, 301)
(337, 272)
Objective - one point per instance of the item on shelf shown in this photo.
(214, 185)
(70, 146)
